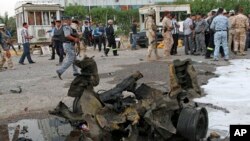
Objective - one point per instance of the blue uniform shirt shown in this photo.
(220, 22)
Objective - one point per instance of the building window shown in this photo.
(46, 18)
(38, 18)
(52, 16)
(31, 19)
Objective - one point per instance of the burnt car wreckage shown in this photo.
(144, 114)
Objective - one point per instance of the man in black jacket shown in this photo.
(58, 39)
(111, 39)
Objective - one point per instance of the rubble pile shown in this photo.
(132, 113)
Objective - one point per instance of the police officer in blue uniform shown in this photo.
(220, 26)
(68, 46)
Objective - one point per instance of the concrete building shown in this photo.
(114, 2)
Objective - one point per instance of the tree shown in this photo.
(101, 15)
(10, 23)
(76, 11)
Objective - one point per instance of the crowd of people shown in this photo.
(218, 32)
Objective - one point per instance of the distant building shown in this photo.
(103, 3)
(114, 2)
(117, 4)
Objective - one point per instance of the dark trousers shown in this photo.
(87, 40)
(97, 41)
(58, 46)
(103, 42)
(26, 53)
(210, 47)
(53, 50)
(111, 44)
(247, 40)
(174, 48)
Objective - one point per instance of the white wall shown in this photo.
(112, 2)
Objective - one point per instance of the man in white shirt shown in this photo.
(175, 34)
(26, 45)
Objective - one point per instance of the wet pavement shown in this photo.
(49, 129)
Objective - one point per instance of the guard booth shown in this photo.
(39, 15)
(180, 10)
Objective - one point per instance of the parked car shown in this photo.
(142, 39)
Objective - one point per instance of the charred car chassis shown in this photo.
(132, 113)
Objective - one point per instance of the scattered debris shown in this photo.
(150, 114)
(24, 130)
(17, 91)
(213, 107)
(214, 137)
(23, 139)
(26, 109)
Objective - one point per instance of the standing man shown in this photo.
(58, 39)
(231, 30)
(68, 46)
(200, 28)
(220, 26)
(175, 34)
(76, 33)
(86, 33)
(248, 35)
(241, 25)
(97, 38)
(26, 45)
(4, 49)
(187, 29)
(210, 47)
(103, 36)
(51, 32)
(111, 39)
(134, 35)
(151, 34)
(167, 35)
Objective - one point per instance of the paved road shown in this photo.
(42, 89)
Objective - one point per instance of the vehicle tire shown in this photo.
(193, 123)
(76, 105)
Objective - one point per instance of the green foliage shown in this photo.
(204, 6)
(101, 15)
(77, 11)
(124, 20)
(10, 23)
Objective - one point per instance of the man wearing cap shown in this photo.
(231, 30)
(151, 34)
(200, 28)
(220, 26)
(111, 39)
(4, 50)
(241, 25)
(86, 30)
(26, 45)
(68, 46)
(167, 35)
(58, 38)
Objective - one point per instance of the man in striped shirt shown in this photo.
(26, 45)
